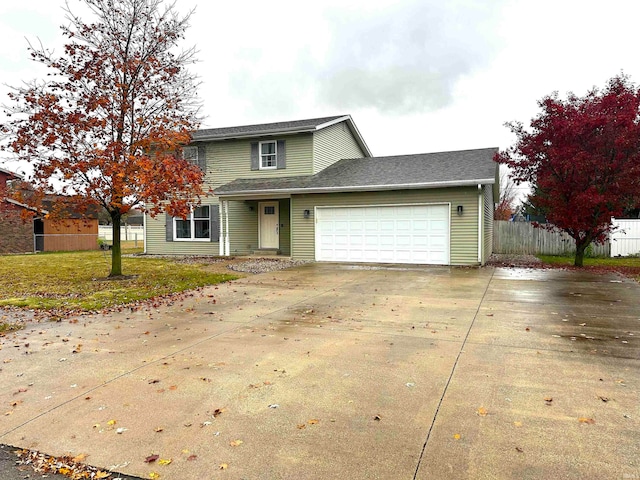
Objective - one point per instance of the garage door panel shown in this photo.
(383, 234)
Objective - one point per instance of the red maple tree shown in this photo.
(106, 128)
(582, 154)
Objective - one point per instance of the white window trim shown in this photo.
(275, 154)
(193, 228)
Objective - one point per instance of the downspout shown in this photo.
(480, 224)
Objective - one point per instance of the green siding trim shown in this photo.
(334, 143)
(464, 228)
(285, 226)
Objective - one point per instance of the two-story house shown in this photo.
(311, 189)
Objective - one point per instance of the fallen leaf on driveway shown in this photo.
(313, 421)
(590, 421)
(154, 381)
(519, 450)
(482, 412)
(236, 443)
(604, 399)
(456, 436)
(164, 461)
(300, 426)
(517, 424)
(151, 458)
(158, 429)
(154, 475)
(79, 458)
(111, 422)
(223, 466)
(191, 458)
(548, 400)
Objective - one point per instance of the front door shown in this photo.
(269, 225)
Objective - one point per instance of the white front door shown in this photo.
(269, 225)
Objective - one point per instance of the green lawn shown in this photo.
(71, 281)
(627, 262)
(628, 266)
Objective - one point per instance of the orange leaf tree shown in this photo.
(106, 128)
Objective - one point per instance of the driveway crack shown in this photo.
(453, 370)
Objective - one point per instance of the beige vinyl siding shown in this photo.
(464, 228)
(156, 243)
(488, 222)
(229, 160)
(243, 227)
(334, 143)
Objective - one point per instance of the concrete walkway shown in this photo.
(329, 371)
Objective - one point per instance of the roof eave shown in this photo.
(15, 202)
(359, 188)
(263, 133)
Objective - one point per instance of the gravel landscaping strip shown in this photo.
(264, 265)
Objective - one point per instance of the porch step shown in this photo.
(266, 252)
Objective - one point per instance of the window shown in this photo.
(190, 154)
(268, 155)
(195, 227)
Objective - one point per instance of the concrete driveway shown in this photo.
(334, 371)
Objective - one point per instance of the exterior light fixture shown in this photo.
(459, 209)
(307, 213)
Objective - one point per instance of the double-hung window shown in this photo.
(190, 154)
(268, 155)
(196, 227)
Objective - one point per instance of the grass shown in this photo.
(628, 266)
(73, 281)
(627, 262)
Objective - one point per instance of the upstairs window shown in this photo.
(190, 154)
(268, 155)
(195, 227)
(197, 155)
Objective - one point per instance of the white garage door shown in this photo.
(383, 234)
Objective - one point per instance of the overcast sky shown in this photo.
(416, 75)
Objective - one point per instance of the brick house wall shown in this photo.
(16, 235)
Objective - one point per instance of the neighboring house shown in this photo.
(37, 233)
(311, 190)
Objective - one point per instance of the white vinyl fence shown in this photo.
(625, 240)
(127, 234)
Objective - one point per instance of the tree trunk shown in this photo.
(116, 251)
(580, 249)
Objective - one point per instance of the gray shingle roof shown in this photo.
(263, 129)
(426, 170)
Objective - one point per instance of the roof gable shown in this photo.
(279, 128)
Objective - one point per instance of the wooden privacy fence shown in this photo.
(524, 238)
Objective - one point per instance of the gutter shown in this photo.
(15, 202)
(361, 188)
